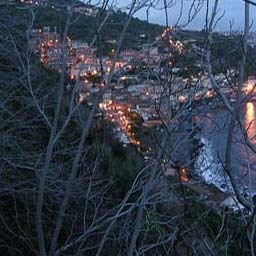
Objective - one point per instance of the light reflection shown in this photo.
(250, 125)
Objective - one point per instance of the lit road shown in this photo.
(117, 114)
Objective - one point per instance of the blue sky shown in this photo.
(233, 11)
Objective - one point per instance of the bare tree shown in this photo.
(68, 186)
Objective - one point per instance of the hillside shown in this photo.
(85, 26)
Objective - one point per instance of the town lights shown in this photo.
(183, 174)
(197, 96)
(209, 94)
(182, 98)
(248, 87)
(80, 99)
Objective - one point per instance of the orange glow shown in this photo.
(249, 88)
(250, 125)
(209, 94)
(183, 175)
(182, 98)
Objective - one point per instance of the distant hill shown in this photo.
(84, 28)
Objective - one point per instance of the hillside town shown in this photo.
(131, 85)
(131, 97)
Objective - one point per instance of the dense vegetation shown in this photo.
(85, 27)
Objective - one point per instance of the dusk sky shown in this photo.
(233, 10)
